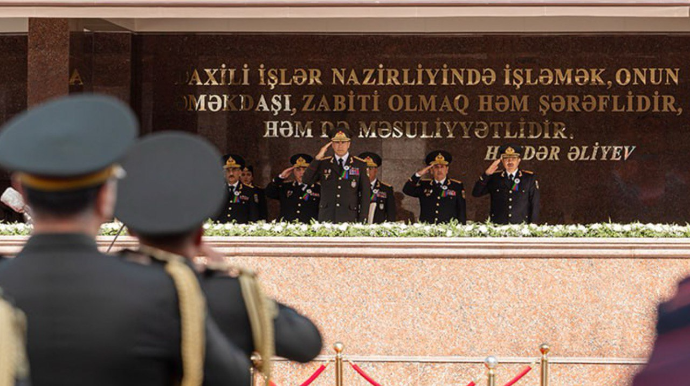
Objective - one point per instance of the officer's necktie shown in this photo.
(340, 163)
(512, 177)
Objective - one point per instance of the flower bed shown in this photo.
(282, 229)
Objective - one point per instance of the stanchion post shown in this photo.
(544, 376)
(338, 347)
(491, 363)
(253, 372)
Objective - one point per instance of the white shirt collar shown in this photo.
(443, 181)
(344, 158)
(235, 185)
(374, 181)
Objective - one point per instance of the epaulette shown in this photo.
(458, 181)
(249, 185)
(326, 158)
(317, 183)
(357, 158)
(385, 184)
(528, 171)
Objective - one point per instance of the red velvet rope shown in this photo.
(522, 373)
(364, 375)
(308, 381)
(314, 376)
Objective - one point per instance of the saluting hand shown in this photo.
(211, 255)
(425, 170)
(322, 152)
(494, 166)
(286, 173)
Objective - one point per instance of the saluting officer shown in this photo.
(298, 201)
(94, 319)
(441, 199)
(242, 203)
(345, 188)
(382, 194)
(166, 210)
(514, 192)
(247, 178)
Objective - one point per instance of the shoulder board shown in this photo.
(385, 184)
(317, 183)
(225, 269)
(458, 181)
(528, 171)
(358, 159)
(325, 158)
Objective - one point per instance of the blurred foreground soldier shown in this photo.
(247, 178)
(298, 201)
(94, 319)
(14, 367)
(514, 192)
(242, 203)
(382, 207)
(668, 363)
(165, 204)
(345, 188)
(441, 199)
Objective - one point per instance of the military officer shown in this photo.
(382, 194)
(345, 187)
(514, 192)
(242, 203)
(14, 366)
(441, 198)
(94, 319)
(247, 178)
(166, 210)
(298, 201)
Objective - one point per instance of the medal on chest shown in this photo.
(515, 187)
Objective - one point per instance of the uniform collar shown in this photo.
(442, 182)
(375, 182)
(57, 242)
(236, 185)
(345, 158)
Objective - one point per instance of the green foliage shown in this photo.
(315, 229)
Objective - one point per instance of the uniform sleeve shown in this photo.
(481, 187)
(219, 216)
(254, 202)
(273, 188)
(311, 175)
(412, 186)
(364, 195)
(225, 364)
(392, 214)
(461, 205)
(296, 337)
(534, 202)
(263, 205)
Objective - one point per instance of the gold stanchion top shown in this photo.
(491, 362)
(256, 360)
(338, 347)
(544, 348)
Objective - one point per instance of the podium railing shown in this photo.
(490, 364)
